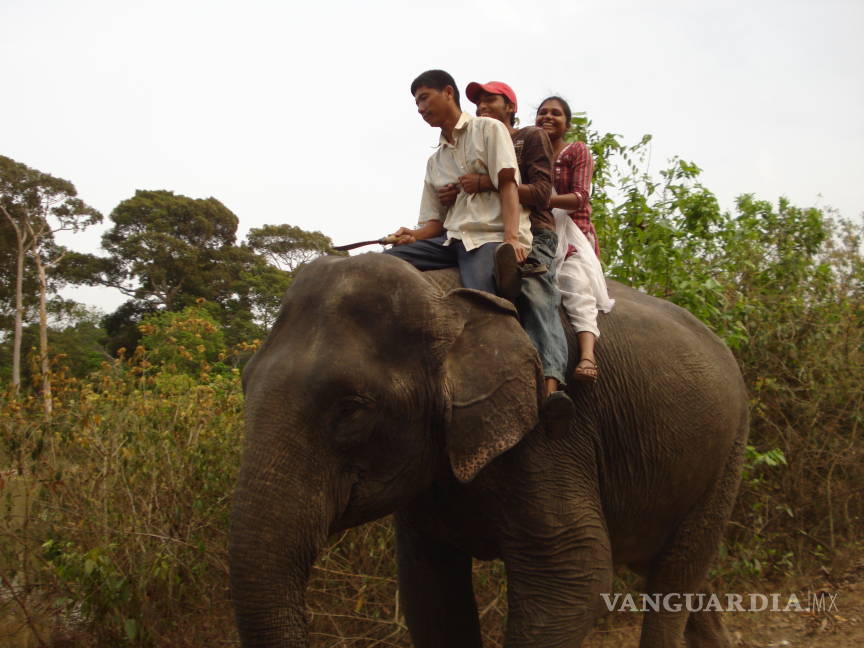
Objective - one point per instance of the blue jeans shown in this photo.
(538, 307)
(476, 268)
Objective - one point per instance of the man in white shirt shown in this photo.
(485, 234)
(479, 230)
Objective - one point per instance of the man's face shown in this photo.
(494, 106)
(433, 105)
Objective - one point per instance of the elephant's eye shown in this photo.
(353, 420)
(350, 405)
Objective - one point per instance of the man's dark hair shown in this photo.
(507, 102)
(564, 105)
(437, 80)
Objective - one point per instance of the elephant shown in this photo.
(383, 390)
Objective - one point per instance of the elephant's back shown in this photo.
(642, 330)
(444, 280)
(641, 324)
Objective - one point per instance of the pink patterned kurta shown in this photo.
(573, 171)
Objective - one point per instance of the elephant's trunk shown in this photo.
(279, 524)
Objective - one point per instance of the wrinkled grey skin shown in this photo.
(377, 392)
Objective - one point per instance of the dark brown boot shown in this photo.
(508, 279)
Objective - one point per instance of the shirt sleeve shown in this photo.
(582, 169)
(500, 153)
(537, 163)
(430, 207)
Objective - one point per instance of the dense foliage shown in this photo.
(113, 512)
(784, 287)
(165, 251)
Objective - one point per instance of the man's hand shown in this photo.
(473, 183)
(521, 255)
(510, 211)
(447, 194)
(429, 229)
(404, 235)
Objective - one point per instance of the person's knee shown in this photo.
(477, 266)
(544, 245)
(404, 254)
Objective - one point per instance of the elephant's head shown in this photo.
(371, 385)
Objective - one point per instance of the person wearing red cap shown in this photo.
(538, 302)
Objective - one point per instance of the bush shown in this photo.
(127, 539)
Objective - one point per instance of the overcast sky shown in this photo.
(301, 113)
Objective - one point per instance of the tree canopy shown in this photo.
(168, 252)
(163, 248)
(37, 205)
(287, 246)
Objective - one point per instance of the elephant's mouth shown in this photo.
(367, 499)
(354, 494)
(353, 501)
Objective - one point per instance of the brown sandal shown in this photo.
(586, 374)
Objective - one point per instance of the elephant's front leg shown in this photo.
(435, 590)
(555, 575)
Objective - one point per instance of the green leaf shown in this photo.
(131, 627)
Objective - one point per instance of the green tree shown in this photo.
(8, 279)
(258, 290)
(284, 248)
(37, 206)
(167, 251)
(288, 246)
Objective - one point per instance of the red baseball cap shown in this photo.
(473, 90)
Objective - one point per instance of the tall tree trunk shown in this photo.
(19, 304)
(19, 320)
(44, 360)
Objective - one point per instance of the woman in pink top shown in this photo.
(580, 278)
(574, 167)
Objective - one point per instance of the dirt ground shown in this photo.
(841, 627)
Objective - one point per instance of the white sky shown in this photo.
(300, 112)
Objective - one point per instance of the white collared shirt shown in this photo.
(480, 145)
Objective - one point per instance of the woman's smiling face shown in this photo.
(552, 119)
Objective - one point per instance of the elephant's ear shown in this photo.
(493, 378)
